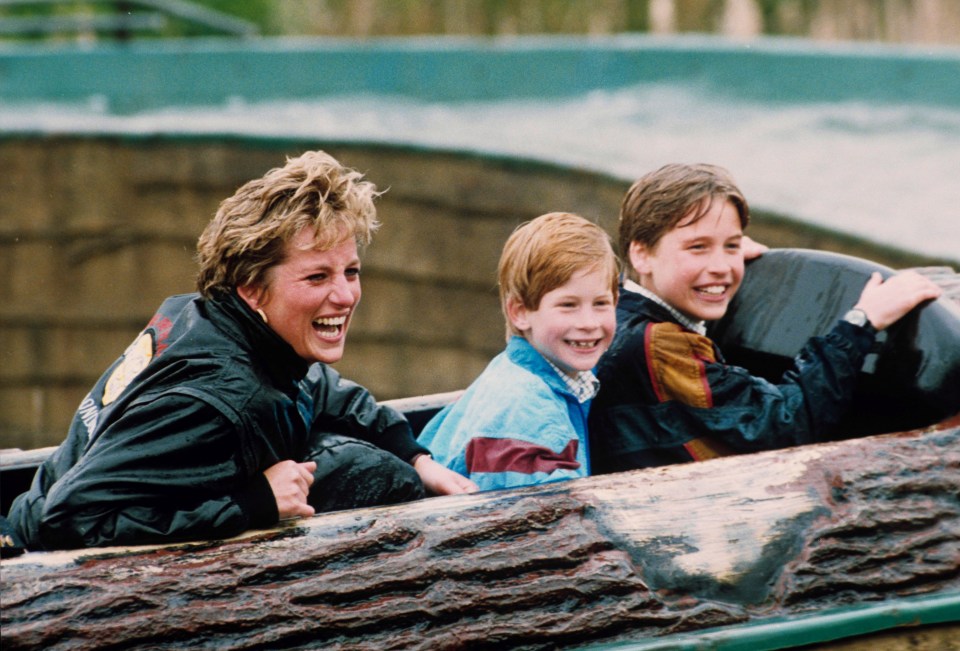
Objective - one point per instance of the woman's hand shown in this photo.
(290, 482)
(440, 480)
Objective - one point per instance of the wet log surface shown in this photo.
(619, 557)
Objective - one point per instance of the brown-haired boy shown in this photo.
(523, 420)
(667, 396)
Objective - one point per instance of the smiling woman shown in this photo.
(309, 297)
(217, 418)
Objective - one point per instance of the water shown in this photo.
(889, 173)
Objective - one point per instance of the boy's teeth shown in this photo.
(583, 344)
(713, 289)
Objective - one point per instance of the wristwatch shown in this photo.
(858, 317)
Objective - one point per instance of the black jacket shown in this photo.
(667, 395)
(172, 441)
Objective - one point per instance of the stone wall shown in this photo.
(97, 231)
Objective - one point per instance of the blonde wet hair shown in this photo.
(249, 232)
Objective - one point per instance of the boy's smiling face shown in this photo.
(574, 323)
(698, 267)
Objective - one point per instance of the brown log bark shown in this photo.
(611, 558)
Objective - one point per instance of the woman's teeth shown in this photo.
(330, 325)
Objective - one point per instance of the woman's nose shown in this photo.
(345, 291)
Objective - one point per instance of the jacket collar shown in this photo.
(524, 355)
(233, 316)
(632, 305)
(700, 327)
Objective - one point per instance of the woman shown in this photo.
(223, 414)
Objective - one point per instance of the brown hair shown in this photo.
(544, 253)
(660, 200)
(248, 234)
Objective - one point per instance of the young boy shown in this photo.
(523, 421)
(667, 396)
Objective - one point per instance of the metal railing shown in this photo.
(117, 19)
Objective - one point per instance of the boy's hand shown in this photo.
(885, 302)
(752, 249)
(440, 480)
(290, 482)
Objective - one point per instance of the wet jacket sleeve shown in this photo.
(507, 434)
(697, 393)
(168, 469)
(344, 407)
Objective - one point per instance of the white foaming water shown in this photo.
(889, 173)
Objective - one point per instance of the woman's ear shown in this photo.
(639, 258)
(517, 313)
(253, 295)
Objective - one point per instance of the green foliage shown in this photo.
(91, 19)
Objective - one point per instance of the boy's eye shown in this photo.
(352, 272)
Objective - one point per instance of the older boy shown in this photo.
(523, 421)
(667, 396)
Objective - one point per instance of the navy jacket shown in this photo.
(172, 441)
(667, 396)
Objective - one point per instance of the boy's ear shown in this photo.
(517, 313)
(639, 257)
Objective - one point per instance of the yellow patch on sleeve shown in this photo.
(675, 360)
(135, 359)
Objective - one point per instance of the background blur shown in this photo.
(122, 128)
(895, 21)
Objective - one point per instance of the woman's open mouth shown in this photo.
(329, 327)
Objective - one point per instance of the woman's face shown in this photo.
(309, 298)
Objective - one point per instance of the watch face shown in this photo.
(856, 317)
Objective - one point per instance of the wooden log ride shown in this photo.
(772, 550)
(630, 556)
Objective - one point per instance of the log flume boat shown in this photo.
(856, 538)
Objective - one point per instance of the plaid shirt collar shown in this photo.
(584, 385)
(700, 327)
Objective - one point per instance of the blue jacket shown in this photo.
(517, 425)
(667, 395)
